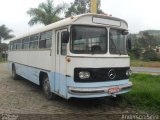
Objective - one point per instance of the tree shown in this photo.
(3, 51)
(136, 52)
(5, 33)
(150, 55)
(46, 13)
(148, 41)
(3, 47)
(82, 6)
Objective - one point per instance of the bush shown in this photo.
(132, 56)
(150, 55)
(135, 53)
(144, 94)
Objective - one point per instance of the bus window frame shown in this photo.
(70, 41)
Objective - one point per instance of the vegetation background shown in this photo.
(145, 49)
(145, 44)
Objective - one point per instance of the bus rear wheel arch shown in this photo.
(14, 74)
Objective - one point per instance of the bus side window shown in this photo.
(11, 45)
(19, 44)
(15, 45)
(45, 39)
(34, 41)
(25, 43)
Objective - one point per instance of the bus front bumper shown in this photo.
(100, 91)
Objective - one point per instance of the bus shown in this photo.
(83, 56)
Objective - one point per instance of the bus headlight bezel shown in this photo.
(129, 72)
(84, 75)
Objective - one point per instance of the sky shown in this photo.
(140, 14)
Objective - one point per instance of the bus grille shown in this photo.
(102, 74)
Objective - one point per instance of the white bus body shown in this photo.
(93, 63)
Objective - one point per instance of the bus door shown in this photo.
(60, 64)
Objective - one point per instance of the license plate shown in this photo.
(113, 90)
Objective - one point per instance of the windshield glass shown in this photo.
(88, 40)
(117, 42)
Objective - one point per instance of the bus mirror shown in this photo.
(65, 37)
(125, 32)
(129, 44)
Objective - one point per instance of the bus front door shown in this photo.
(60, 65)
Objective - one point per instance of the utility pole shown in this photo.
(93, 8)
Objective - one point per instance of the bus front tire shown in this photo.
(14, 75)
(46, 89)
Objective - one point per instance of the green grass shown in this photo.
(145, 94)
(2, 60)
(138, 63)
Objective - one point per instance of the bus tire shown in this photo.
(14, 74)
(46, 88)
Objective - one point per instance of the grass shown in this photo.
(2, 60)
(145, 94)
(138, 63)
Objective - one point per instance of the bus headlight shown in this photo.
(129, 72)
(84, 75)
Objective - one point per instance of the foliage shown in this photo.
(46, 13)
(150, 55)
(81, 6)
(5, 33)
(144, 45)
(143, 97)
(3, 47)
(136, 52)
(134, 39)
(139, 63)
(147, 41)
(144, 94)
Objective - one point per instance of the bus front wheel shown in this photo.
(46, 88)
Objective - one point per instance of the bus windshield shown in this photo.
(88, 40)
(117, 42)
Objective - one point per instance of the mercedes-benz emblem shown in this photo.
(112, 74)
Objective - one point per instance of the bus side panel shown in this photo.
(36, 59)
(32, 74)
(51, 76)
(60, 84)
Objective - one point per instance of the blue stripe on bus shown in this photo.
(61, 87)
(96, 95)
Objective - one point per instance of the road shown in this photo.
(23, 97)
(146, 70)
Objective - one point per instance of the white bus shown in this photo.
(83, 56)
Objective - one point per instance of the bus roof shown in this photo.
(68, 21)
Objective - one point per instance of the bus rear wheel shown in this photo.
(46, 88)
(14, 74)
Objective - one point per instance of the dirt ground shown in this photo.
(23, 98)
